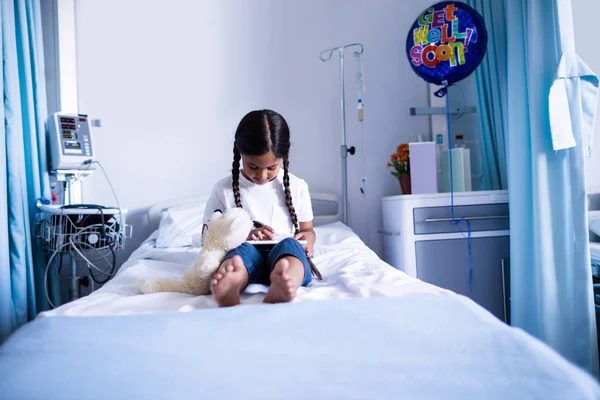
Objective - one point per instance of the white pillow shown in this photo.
(180, 226)
(594, 221)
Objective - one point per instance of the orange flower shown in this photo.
(400, 160)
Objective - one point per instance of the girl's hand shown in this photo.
(265, 232)
(310, 237)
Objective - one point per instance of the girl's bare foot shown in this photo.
(228, 282)
(286, 278)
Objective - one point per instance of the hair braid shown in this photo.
(288, 194)
(290, 206)
(235, 172)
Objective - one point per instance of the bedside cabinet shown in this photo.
(421, 240)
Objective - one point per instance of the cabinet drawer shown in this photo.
(445, 263)
(482, 217)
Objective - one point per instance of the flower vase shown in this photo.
(405, 184)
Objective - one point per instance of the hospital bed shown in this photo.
(367, 331)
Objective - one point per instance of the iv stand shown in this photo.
(344, 150)
(72, 195)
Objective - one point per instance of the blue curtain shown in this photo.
(492, 87)
(23, 173)
(551, 283)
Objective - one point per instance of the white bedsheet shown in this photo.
(349, 268)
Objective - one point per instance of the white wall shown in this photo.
(585, 14)
(51, 58)
(171, 80)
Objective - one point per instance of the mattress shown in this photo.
(379, 335)
(418, 347)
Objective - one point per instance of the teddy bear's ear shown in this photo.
(216, 215)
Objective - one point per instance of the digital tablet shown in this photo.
(271, 242)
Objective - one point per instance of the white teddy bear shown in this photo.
(225, 232)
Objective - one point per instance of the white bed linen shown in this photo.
(349, 268)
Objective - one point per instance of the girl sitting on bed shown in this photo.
(278, 203)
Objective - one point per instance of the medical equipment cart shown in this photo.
(89, 233)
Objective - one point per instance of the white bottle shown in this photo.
(360, 110)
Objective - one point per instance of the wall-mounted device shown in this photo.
(70, 142)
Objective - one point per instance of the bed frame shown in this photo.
(326, 208)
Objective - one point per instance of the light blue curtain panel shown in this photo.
(23, 170)
(551, 100)
(491, 81)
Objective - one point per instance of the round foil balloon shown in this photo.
(446, 43)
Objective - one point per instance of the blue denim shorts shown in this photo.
(260, 260)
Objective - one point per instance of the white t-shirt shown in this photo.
(265, 203)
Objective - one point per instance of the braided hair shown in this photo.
(288, 194)
(235, 172)
(261, 132)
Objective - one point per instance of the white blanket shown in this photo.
(349, 268)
